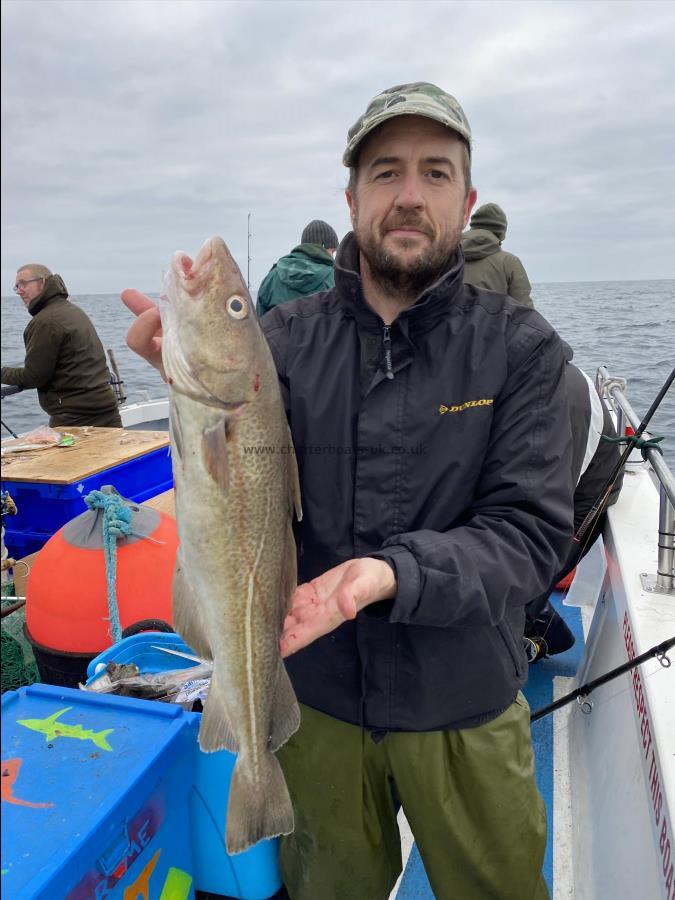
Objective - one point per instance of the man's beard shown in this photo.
(406, 279)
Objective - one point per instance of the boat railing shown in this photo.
(611, 389)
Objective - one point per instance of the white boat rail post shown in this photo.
(663, 581)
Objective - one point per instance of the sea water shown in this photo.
(629, 326)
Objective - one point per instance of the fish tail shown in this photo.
(99, 739)
(259, 808)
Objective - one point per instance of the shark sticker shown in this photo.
(52, 729)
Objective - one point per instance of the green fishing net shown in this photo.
(18, 663)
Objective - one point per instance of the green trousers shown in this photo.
(469, 796)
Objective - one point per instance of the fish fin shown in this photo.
(51, 720)
(288, 580)
(257, 809)
(187, 618)
(214, 453)
(294, 480)
(100, 739)
(215, 731)
(176, 431)
(285, 710)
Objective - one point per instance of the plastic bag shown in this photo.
(42, 435)
(165, 686)
(41, 438)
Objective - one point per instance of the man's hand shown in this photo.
(322, 604)
(145, 335)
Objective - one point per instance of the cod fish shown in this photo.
(236, 487)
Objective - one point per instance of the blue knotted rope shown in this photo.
(116, 523)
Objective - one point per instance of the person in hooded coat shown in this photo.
(307, 269)
(485, 263)
(65, 359)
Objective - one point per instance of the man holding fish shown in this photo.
(432, 440)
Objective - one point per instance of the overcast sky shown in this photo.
(134, 128)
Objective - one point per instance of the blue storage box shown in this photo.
(22, 543)
(42, 508)
(95, 796)
(252, 875)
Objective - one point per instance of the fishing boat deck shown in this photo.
(606, 774)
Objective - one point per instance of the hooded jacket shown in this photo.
(307, 269)
(65, 361)
(440, 444)
(486, 264)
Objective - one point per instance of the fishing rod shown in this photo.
(248, 254)
(659, 651)
(632, 442)
(7, 391)
(5, 425)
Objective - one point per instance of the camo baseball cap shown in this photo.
(417, 99)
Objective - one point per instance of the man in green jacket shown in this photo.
(485, 263)
(65, 359)
(307, 269)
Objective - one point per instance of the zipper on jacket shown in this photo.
(386, 340)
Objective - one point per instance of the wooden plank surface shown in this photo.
(94, 450)
(162, 502)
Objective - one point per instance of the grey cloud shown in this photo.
(132, 129)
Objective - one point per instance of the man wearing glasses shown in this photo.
(65, 359)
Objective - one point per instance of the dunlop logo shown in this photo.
(462, 406)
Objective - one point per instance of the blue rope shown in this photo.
(116, 523)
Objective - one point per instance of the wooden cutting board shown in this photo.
(94, 450)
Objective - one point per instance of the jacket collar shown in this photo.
(432, 305)
(314, 251)
(53, 289)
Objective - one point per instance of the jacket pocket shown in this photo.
(516, 653)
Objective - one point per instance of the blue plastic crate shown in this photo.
(22, 543)
(44, 508)
(252, 875)
(96, 792)
(139, 649)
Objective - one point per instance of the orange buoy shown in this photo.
(66, 594)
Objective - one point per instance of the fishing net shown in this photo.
(18, 663)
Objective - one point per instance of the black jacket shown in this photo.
(456, 471)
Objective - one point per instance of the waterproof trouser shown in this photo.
(469, 796)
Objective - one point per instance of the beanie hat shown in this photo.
(318, 232)
(491, 217)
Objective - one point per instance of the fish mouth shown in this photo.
(193, 273)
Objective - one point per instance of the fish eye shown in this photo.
(237, 307)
